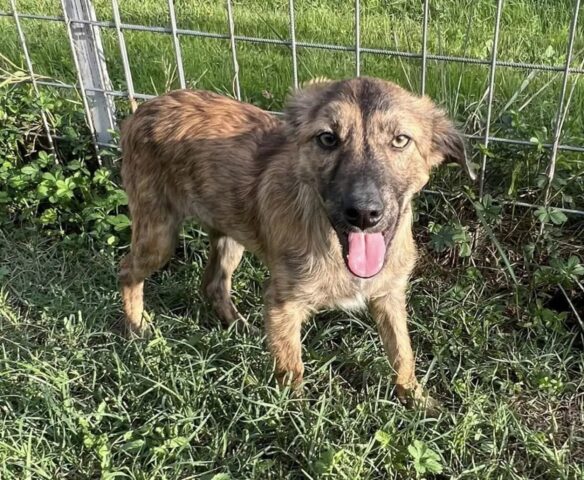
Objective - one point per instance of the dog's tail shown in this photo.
(310, 83)
(314, 81)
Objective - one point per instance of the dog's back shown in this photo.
(174, 144)
(191, 154)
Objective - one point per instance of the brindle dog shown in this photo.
(322, 197)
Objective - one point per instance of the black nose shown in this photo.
(363, 208)
(363, 218)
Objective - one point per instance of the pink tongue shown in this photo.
(366, 253)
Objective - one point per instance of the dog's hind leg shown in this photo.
(224, 257)
(154, 236)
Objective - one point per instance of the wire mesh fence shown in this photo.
(84, 31)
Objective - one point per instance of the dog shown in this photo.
(322, 196)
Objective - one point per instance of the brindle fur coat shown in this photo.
(277, 188)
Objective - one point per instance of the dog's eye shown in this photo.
(327, 140)
(401, 141)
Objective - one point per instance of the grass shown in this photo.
(525, 102)
(79, 401)
(496, 340)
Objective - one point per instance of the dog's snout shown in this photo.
(363, 209)
(362, 218)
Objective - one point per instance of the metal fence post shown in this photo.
(491, 94)
(124, 54)
(88, 51)
(176, 42)
(231, 26)
(293, 43)
(357, 38)
(425, 45)
(561, 107)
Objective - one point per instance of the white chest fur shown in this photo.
(352, 304)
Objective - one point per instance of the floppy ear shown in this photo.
(448, 144)
(303, 100)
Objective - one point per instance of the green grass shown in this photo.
(496, 340)
(531, 32)
(79, 401)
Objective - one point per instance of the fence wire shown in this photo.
(424, 56)
(491, 92)
(24, 47)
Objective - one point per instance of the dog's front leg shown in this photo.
(390, 316)
(283, 322)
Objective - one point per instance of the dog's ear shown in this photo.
(301, 101)
(448, 144)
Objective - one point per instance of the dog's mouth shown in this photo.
(365, 252)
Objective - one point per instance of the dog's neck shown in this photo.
(304, 202)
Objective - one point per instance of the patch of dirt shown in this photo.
(562, 421)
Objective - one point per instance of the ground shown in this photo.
(80, 401)
(496, 302)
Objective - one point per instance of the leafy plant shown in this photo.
(550, 215)
(566, 272)
(450, 236)
(63, 191)
(425, 460)
(490, 209)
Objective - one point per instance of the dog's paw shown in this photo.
(429, 405)
(138, 330)
(292, 377)
(416, 398)
(242, 326)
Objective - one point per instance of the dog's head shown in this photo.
(367, 146)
